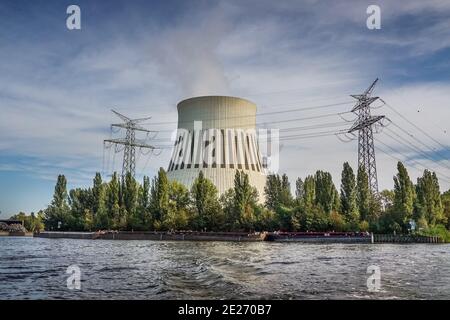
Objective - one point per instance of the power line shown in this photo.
(446, 178)
(398, 159)
(417, 127)
(317, 126)
(312, 135)
(420, 141)
(262, 114)
(413, 147)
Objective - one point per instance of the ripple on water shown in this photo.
(35, 269)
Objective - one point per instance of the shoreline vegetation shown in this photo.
(123, 204)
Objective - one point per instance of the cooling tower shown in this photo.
(217, 135)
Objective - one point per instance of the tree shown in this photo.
(159, 198)
(179, 216)
(32, 222)
(299, 191)
(179, 195)
(404, 196)
(57, 215)
(130, 200)
(277, 191)
(309, 192)
(285, 191)
(445, 198)
(387, 199)
(141, 219)
(265, 219)
(208, 212)
(363, 194)
(113, 201)
(101, 219)
(428, 202)
(326, 193)
(245, 199)
(337, 222)
(349, 206)
(272, 191)
(80, 202)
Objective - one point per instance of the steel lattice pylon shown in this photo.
(364, 126)
(130, 143)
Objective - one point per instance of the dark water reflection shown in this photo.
(33, 268)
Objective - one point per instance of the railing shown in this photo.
(400, 238)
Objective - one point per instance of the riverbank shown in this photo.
(15, 234)
(154, 235)
(306, 237)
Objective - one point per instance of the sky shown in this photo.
(57, 86)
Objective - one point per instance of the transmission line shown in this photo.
(413, 147)
(406, 158)
(262, 113)
(420, 141)
(417, 127)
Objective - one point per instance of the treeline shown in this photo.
(32, 222)
(316, 205)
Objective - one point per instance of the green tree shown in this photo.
(141, 219)
(363, 194)
(309, 192)
(179, 215)
(428, 200)
(130, 201)
(265, 219)
(101, 219)
(57, 215)
(445, 198)
(299, 191)
(245, 199)
(208, 212)
(113, 201)
(404, 197)
(326, 193)
(272, 191)
(159, 198)
(80, 201)
(231, 214)
(349, 206)
(387, 198)
(285, 192)
(337, 222)
(32, 222)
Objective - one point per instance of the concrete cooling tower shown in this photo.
(217, 135)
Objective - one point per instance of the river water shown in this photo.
(35, 268)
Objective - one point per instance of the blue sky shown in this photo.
(141, 57)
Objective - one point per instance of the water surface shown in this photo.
(35, 268)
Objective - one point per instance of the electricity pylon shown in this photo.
(364, 126)
(130, 142)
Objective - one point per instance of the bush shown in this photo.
(363, 226)
(337, 222)
(437, 230)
